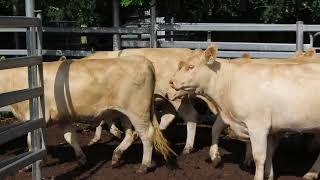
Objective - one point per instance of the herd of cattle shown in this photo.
(258, 99)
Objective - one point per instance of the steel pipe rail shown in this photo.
(19, 95)
(97, 30)
(246, 46)
(20, 62)
(18, 22)
(226, 27)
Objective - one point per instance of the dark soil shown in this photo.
(291, 161)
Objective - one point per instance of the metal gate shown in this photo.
(35, 94)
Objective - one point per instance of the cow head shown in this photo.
(191, 73)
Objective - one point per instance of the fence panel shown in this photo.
(35, 94)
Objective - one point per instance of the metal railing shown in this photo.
(226, 49)
(35, 94)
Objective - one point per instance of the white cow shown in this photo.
(97, 89)
(257, 100)
(165, 62)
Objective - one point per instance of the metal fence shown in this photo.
(35, 94)
(226, 49)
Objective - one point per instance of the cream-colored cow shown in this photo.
(165, 62)
(257, 100)
(96, 89)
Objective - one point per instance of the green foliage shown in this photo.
(267, 11)
(283, 11)
(81, 11)
(133, 2)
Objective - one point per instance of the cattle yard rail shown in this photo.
(35, 94)
(226, 49)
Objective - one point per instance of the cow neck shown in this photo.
(219, 83)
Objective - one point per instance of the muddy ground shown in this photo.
(291, 160)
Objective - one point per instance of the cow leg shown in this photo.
(71, 137)
(29, 141)
(27, 168)
(145, 131)
(313, 173)
(115, 131)
(97, 135)
(167, 117)
(217, 128)
(123, 146)
(271, 147)
(189, 115)
(147, 142)
(248, 159)
(258, 138)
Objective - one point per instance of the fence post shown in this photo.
(33, 82)
(153, 33)
(41, 79)
(299, 36)
(171, 32)
(116, 23)
(209, 36)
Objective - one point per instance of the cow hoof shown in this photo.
(310, 176)
(142, 170)
(116, 159)
(187, 150)
(145, 169)
(247, 164)
(216, 160)
(92, 142)
(115, 164)
(82, 160)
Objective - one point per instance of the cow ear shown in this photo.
(62, 58)
(211, 53)
(246, 56)
(311, 52)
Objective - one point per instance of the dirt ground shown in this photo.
(291, 160)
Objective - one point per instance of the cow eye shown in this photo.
(190, 67)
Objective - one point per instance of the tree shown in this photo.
(133, 2)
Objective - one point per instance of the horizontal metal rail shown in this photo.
(254, 54)
(16, 52)
(311, 28)
(109, 30)
(15, 131)
(13, 30)
(131, 44)
(19, 95)
(18, 22)
(175, 27)
(286, 47)
(226, 27)
(5, 109)
(47, 52)
(20, 62)
(20, 161)
(66, 52)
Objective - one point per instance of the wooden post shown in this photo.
(116, 23)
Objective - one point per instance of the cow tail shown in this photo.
(159, 141)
